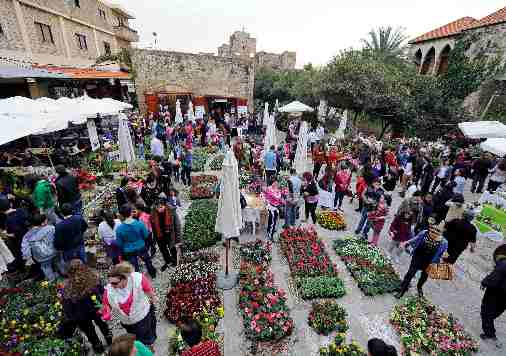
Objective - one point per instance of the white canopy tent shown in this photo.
(483, 129)
(301, 153)
(266, 114)
(496, 146)
(229, 218)
(23, 117)
(126, 146)
(296, 107)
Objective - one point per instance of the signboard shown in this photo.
(199, 111)
(242, 110)
(92, 133)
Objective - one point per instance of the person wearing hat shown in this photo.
(427, 247)
(166, 230)
(460, 233)
(494, 299)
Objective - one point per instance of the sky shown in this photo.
(315, 29)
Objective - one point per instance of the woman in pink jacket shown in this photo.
(342, 180)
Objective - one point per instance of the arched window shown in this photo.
(443, 60)
(418, 59)
(428, 63)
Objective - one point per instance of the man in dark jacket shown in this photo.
(494, 300)
(69, 235)
(67, 189)
(460, 233)
(481, 169)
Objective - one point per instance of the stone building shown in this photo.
(242, 45)
(430, 51)
(63, 32)
(209, 81)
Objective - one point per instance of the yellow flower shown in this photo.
(179, 338)
(13, 322)
(25, 312)
(44, 284)
(94, 297)
(220, 311)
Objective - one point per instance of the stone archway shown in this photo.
(418, 59)
(429, 61)
(443, 60)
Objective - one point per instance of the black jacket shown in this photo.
(496, 280)
(69, 233)
(67, 188)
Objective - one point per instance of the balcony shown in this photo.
(126, 33)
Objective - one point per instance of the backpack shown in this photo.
(41, 244)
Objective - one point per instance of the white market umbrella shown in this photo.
(266, 114)
(126, 147)
(229, 218)
(483, 129)
(497, 146)
(191, 114)
(301, 153)
(179, 115)
(296, 107)
(270, 133)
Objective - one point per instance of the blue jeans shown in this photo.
(363, 226)
(76, 252)
(47, 268)
(290, 215)
(141, 151)
(133, 259)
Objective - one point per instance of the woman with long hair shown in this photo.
(131, 297)
(107, 233)
(81, 295)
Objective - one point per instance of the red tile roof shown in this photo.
(492, 19)
(86, 73)
(448, 30)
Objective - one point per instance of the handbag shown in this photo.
(442, 271)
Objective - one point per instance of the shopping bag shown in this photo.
(441, 271)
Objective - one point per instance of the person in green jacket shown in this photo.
(43, 198)
(126, 345)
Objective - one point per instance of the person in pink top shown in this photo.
(131, 297)
(189, 135)
(274, 201)
(342, 180)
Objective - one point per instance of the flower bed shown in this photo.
(262, 305)
(245, 179)
(368, 266)
(199, 158)
(314, 274)
(29, 321)
(425, 328)
(339, 348)
(326, 317)
(202, 186)
(198, 231)
(331, 220)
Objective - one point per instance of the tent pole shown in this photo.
(226, 256)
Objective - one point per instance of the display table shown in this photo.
(255, 211)
(491, 222)
(495, 199)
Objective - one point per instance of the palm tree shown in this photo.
(386, 43)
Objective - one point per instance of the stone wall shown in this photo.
(201, 74)
(11, 39)
(283, 61)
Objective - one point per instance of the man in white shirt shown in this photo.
(157, 148)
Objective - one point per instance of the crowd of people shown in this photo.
(46, 233)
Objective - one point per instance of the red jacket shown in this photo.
(342, 181)
(206, 348)
(360, 187)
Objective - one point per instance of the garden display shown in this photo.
(338, 347)
(331, 220)
(202, 186)
(245, 179)
(200, 156)
(424, 328)
(368, 266)
(217, 162)
(311, 268)
(262, 305)
(29, 320)
(198, 231)
(326, 317)
(193, 290)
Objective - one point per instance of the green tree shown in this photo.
(385, 43)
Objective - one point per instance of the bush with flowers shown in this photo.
(29, 320)
(369, 267)
(202, 186)
(331, 220)
(425, 328)
(326, 317)
(314, 274)
(262, 305)
(339, 348)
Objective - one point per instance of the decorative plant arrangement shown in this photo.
(198, 231)
(368, 266)
(245, 179)
(331, 220)
(262, 305)
(29, 321)
(199, 158)
(326, 317)
(339, 348)
(425, 328)
(217, 163)
(202, 186)
(314, 274)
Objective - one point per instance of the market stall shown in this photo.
(483, 129)
(496, 146)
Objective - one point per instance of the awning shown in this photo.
(14, 72)
(85, 73)
(295, 107)
(483, 129)
(496, 146)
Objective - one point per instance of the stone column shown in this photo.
(22, 27)
(96, 42)
(64, 36)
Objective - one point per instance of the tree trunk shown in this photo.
(385, 125)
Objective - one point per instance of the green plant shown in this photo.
(326, 317)
(320, 287)
(198, 231)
